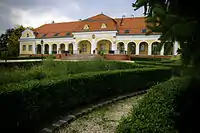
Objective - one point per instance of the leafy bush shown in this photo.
(156, 112)
(187, 107)
(135, 58)
(175, 64)
(12, 65)
(51, 68)
(28, 104)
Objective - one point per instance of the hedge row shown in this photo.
(156, 112)
(135, 58)
(177, 67)
(27, 57)
(27, 64)
(27, 105)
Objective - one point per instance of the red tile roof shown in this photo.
(122, 25)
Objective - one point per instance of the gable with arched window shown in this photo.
(27, 33)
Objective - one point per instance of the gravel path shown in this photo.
(104, 120)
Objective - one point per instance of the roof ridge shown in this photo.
(96, 16)
(131, 18)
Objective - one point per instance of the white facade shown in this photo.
(29, 41)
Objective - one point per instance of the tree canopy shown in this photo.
(9, 41)
(176, 22)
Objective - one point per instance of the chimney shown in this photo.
(122, 19)
(132, 15)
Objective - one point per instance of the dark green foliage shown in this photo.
(51, 68)
(176, 66)
(187, 108)
(156, 112)
(176, 22)
(145, 59)
(14, 65)
(28, 104)
(10, 41)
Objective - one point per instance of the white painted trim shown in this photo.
(137, 37)
(132, 42)
(56, 39)
(27, 39)
(143, 41)
(27, 29)
(97, 41)
(83, 40)
(157, 41)
(94, 32)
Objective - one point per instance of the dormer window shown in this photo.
(67, 34)
(103, 26)
(86, 27)
(144, 30)
(56, 34)
(44, 35)
(127, 31)
(27, 35)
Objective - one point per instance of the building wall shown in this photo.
(26, 48)
(93, 37)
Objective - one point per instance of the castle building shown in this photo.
(94, 35)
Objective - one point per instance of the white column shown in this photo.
(66, 47)
(93, 46)
(175, 48)
(34, 49)
(126, 47)
(20, 48)
(75, 48)
(137, 49)
(162, 49)
(114, 47)
(58, 46)
(50, 49)
(42, 48)
(149, 49)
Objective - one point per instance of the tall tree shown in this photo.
(176, 22)
(9, 41)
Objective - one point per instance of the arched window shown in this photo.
(103, 26)
(86, 27)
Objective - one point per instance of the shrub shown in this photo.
(187, 107)
(28, 104)
(156, 112)
(50, 68)
(176, 65)
(11, 65)
(135, 58)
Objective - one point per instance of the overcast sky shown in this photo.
(38, 12)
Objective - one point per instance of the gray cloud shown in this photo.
(37, 12)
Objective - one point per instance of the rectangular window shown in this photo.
(24, 48)
(30, 48)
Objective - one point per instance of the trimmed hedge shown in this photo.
(27, 105)
(19, 64)
(28, 57)
(157, 111)
(177, 67)
(49, 68)
(135, 58)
